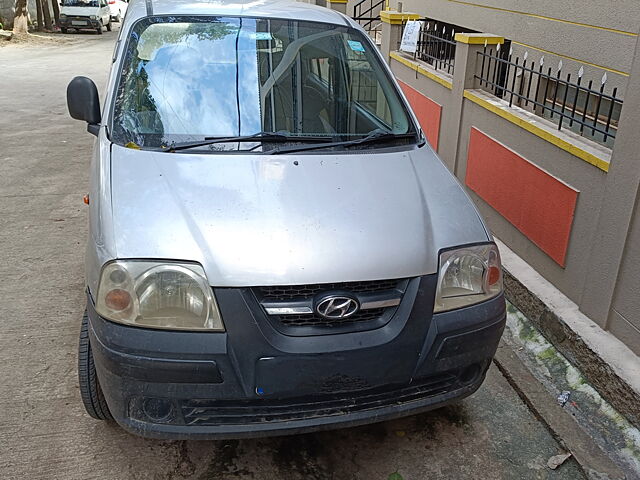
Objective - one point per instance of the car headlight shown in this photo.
(173, 296)
(62, 15)
(93, 17)
(468, 275)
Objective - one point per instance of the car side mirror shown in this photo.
(83, 103)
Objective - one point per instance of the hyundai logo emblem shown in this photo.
(336, 307)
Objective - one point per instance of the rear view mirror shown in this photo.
(83, 102)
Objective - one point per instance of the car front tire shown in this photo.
(90, 391)
(109, 25)
(99, 29)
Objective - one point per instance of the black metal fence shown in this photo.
(436, 45)
(367, 14)
(572, 104)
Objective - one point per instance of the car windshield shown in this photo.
(190, 78)
(80, 3)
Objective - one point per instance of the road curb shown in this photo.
(609, 366)
(594, 462)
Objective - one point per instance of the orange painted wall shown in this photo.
(427, 111)
(535, 202)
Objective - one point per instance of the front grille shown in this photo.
(313, 320)
(242, 412)
(305, 296)
(295, 292)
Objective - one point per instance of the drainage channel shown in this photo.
(606, 427)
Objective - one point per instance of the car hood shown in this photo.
(290, 219)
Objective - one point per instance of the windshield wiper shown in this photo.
(374, 137)
(258, 137)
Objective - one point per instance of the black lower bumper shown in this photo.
(252, 381)
(87, 24)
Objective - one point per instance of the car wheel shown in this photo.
(109, 26)
(63, 29)
(99, 29)
(92, 396)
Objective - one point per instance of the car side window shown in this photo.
(358, 81)
(319, 67)
(364, 86)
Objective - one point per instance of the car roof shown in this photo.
(286, 9)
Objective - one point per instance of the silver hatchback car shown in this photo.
(274, 247)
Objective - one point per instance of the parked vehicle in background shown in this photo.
(274, 247)
(85, 15)
(118, 9)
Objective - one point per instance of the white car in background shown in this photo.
(118, 9)
(85, 15)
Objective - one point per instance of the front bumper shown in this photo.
(253, 380)
(87, 23)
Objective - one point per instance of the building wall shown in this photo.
(618, 240)
(588, 181)
(624, 320)
(539, 189)
(522, 236)
(594, 34)
(437, 95)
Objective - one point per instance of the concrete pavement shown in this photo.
(44, 432)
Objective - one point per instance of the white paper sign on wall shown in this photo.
(410, 36)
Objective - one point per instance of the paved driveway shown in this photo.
(44, 432)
